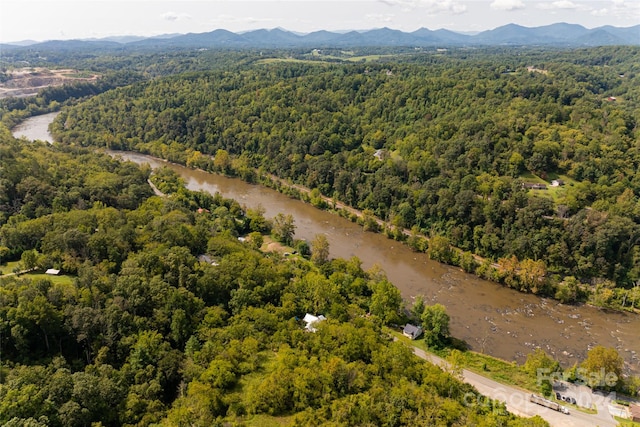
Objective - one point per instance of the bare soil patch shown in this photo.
(28, 81)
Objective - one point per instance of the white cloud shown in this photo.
(228, 19)
(564, 4)
(600, 12)
(507, 5)
(626, 4)
(619, 9)
(172, 16)
(433, 7)
(450, 6)
(379, 17)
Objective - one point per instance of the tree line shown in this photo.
(443, 145)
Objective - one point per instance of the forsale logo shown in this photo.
(594, 379)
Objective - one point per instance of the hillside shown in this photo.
(445, 145)
(559, 35)
(147, 330)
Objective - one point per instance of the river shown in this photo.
(36, 128)
(490, 318)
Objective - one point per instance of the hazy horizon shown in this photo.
(38, 20)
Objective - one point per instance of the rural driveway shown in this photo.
(517, 400)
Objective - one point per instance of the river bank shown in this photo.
(490, 318)
(510, 273)
(36, 128)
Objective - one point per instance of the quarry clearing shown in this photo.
(24, 82)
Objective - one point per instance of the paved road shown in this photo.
(517, 400)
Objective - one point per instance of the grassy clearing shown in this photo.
(368, 58)
(499, 370)
(56, 280)
(271, 245)
(328, 59)
(556, 194)
(62, 279)
(290, 60)
(529, 177)
(7, 268)
(348, 56)
(491, 367)
(626, 423)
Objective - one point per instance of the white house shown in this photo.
(379, 154)
(311, 320)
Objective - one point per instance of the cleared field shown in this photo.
(289, 60)
(9, 268)
(325, 59)
(58, 280)
(557, 194)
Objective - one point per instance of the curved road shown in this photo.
(517, 400)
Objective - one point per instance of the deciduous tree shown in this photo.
(284, 228)
(435, 322)
(320, 249)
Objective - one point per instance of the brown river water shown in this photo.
(490, 318)
(35, 128)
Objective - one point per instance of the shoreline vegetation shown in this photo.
(524, 276)
(483, 155)
(507, 272)
(427, 160)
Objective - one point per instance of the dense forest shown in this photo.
(163, 316)
(452, 147)
(114, 68)
(15, 109)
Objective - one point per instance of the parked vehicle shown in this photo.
(548, 403)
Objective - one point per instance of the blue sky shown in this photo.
(59, 19)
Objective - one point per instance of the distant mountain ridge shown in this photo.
(560, 34)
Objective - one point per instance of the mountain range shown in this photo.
(560, 35)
